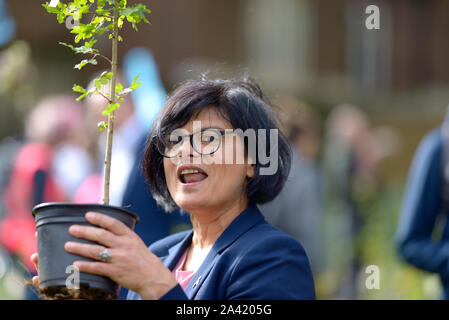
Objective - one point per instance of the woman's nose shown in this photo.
(185, 150)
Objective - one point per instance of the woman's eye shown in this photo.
(207, 138)
(172, 140)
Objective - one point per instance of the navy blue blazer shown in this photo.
(250, 260)
(422, 204)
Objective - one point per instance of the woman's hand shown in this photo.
(34, 259)
(132, 265)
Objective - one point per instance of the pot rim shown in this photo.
(71, 204)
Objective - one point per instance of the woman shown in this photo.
(191, 161)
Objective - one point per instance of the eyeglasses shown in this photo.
(204, 142)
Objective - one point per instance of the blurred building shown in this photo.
(286, 43)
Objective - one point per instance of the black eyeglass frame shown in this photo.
(182, 136)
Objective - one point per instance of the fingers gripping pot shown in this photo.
(55, 264)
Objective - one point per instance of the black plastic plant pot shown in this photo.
(56, 264)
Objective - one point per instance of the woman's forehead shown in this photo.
(210, 117)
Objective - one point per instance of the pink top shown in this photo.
(183, 277)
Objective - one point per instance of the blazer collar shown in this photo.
(244, 221)
(175, 252)
(247, 219)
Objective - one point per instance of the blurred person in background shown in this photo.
(296, 210)
(72, 160)
(422, 235)
(126, 134)
(54, 122)
(351, 156)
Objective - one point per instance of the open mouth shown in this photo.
(191, 175)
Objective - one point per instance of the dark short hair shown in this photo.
(241, 103)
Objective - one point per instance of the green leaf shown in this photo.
(139, 10)
(84, 31)
(120, 21)
(123, 92)
(110, 109)
(83, 49)
(89, 44)
(51, 9)
(80, 65)
(67, 45)
(105, 77)
(85, 93)
(118, 87)
(79, 89)
(122, 4)
(103, 80)
(59, 10)
(135, 14)
(135, 84)
(102, 125)
(97, 84)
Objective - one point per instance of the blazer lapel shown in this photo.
(247, 219)
(175, 252)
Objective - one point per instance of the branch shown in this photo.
(110, 131)
(102, 56)
(103, 95)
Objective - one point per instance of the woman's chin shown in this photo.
(189, 204)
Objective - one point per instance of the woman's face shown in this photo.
(205, 182)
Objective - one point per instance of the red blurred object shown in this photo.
(17, 229)
(90, 190)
